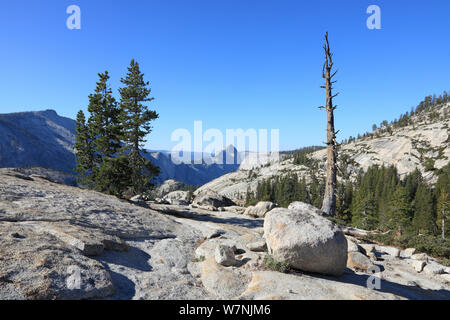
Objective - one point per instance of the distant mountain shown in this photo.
(195, 174)
(37, 139)
(45, 139)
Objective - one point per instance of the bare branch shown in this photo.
(334, 73)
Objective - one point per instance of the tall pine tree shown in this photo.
(84, 152)
(136, 120)
(399, 209)
(443, 212)
(104, 120)
(113, 176)
(424, 219)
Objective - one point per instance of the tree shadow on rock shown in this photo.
(134, 258)
(409, 292)
(125, 289)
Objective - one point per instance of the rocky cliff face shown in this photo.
(425, 142)
(420, 145)
(37, 139)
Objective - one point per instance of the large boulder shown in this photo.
(419, 265)
(392, 251)
(306, 241)
(434, 268)
(224, 255)
(301, 206)
(211, 198)
(177, 198)
(407, 253)
(167, 187)
(420, 257)
(248, 210)
(352, 246)
(359, 262)
(261, 209)
(259, 246)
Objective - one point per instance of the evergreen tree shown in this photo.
(364, 213)
(424, 218)
(398, 215)
(412, 181)
(106, 130)
(114, 176)
(136, 121)
(84, 152)
(443, 212)
(344, 202)
(104, 121)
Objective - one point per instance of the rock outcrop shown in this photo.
(51, 234)
(38, 265)
(167, 187)
(177, 198)
(306, 241)
(224, 255)
(213, 199)
(260, 209)
(60, 242)
(419, 265)
(358, 261)
(301, 206)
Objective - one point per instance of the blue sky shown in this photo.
(232, 64)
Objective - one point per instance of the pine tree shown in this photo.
(364, 212)
(443, 212)
(302, 191)
(84, 152)
(136, 121)
(106, 130)
(398, 214)
(344, 202)
(424, 219)
(114, 176)
(104, 121)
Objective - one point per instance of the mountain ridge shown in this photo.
(424, 144)
(45, 139)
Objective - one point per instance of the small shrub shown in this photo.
(271, 263)
(201, 259)
(431, 245)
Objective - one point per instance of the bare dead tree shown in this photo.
(329, 200)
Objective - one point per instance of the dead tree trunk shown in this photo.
(329, 200)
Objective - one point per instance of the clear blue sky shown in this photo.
(232, 64)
